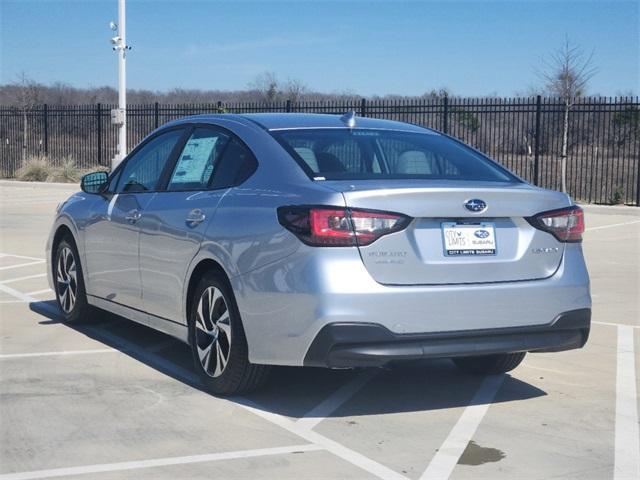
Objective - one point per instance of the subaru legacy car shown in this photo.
(325, 241)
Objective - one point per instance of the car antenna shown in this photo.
(349, 119)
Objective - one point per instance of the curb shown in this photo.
(20, 183)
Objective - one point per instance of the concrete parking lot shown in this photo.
(114, 399)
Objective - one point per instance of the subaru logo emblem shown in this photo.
(481, 233)
(475, 205)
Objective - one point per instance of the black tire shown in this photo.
(490, 364)
(70, 280)
(237, 375)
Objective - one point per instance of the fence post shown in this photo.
(363, 107)
(536, 140)
(156, 115)
(445, 114)
(45, 119)
(99, 123)
(288, 106)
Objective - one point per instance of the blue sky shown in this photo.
(367, 47)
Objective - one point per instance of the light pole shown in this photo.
(119, 115)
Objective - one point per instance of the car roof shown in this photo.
(291, 121)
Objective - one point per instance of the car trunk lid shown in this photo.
(419, 254)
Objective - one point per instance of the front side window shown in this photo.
(353, 154)
(143, 170)
(198, 160)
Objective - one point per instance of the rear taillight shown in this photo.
(566, 224)
(339, 227)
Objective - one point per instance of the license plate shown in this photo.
(468, 239)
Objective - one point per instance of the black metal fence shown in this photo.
(524, 134)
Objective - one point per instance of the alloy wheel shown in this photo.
(67, 280)
(213, 332)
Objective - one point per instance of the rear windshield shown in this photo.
(345, 154)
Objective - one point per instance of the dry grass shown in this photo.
(40, 168)
(67, 172)
(35, 169)
(98, 168)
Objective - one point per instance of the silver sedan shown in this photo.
(323, 240)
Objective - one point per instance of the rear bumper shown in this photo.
(340, 345)
(286, 304)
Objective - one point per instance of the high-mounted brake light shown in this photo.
(339, 227)
(566, 224)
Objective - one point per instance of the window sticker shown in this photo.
(194, 160)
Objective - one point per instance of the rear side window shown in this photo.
(236, 165)
(353, 154)
(198, 159)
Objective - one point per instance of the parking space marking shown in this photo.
(602, 227)
(193, 379)
(339, 450)
(612, 324)
(55, 354)
(20, 265)
(321, 411)
(157, 462)
(16, 294)
(28, 299)
(19, 256)
(445, 460)
(627, 437)
(27, 277)
(149, 356)
(38, 292)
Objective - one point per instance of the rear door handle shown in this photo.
(195, 217)
(133, 216)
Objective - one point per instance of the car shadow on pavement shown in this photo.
(293, 391)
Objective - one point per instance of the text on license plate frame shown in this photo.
(456, 227)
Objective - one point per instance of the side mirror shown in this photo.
(94, 182)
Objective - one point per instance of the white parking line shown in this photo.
(602, 227)
(445, 460)
(20, 265)
(317, 414)
(55, 354)
(38, 292)
(157, 462)
(339, 450)
(612, 324)
(20, 256)
(332, 446)
(148, 355)
(29, 299)
(27, 277)
(15, 293)
(627, 438)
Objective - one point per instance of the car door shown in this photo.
(112, 233)
(176, 219)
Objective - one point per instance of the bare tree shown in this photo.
(437, 94)
(27, 96)
(267, 85)
(566, 74)
(294, 90)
